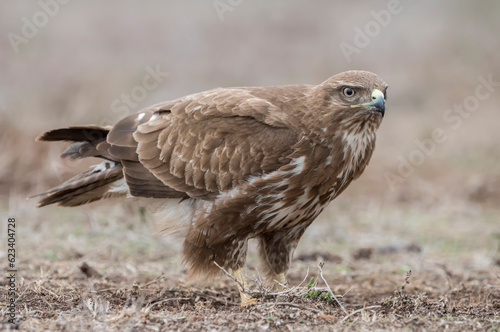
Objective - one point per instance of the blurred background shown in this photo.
(433, 183)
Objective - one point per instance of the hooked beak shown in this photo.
(377, 103)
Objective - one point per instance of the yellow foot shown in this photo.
(281, 282)
(246, 299)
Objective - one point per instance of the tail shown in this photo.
(98, 183)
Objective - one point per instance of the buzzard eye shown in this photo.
(348, 92)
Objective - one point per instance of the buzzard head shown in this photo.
(349, 103)
(357, 93)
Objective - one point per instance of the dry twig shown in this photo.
(168, 300)
(358, 311)
(232, 277)
(295, 305)
(153, 281)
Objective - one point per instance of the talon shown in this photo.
(247, 300)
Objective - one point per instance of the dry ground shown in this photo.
(441, 221)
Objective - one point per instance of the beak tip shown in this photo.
(379, 104)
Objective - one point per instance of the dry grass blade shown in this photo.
(329, 289)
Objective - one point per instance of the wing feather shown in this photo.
(211, 142)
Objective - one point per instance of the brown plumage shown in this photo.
(231, 164)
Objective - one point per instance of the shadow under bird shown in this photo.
(230, 164)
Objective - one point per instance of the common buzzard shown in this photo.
(230, 164)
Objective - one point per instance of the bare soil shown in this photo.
(105, 270)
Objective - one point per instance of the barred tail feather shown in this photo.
(86, 187)
(98, 183)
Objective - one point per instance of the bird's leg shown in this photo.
(246, 299)
(281, 282)
(276, 251)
